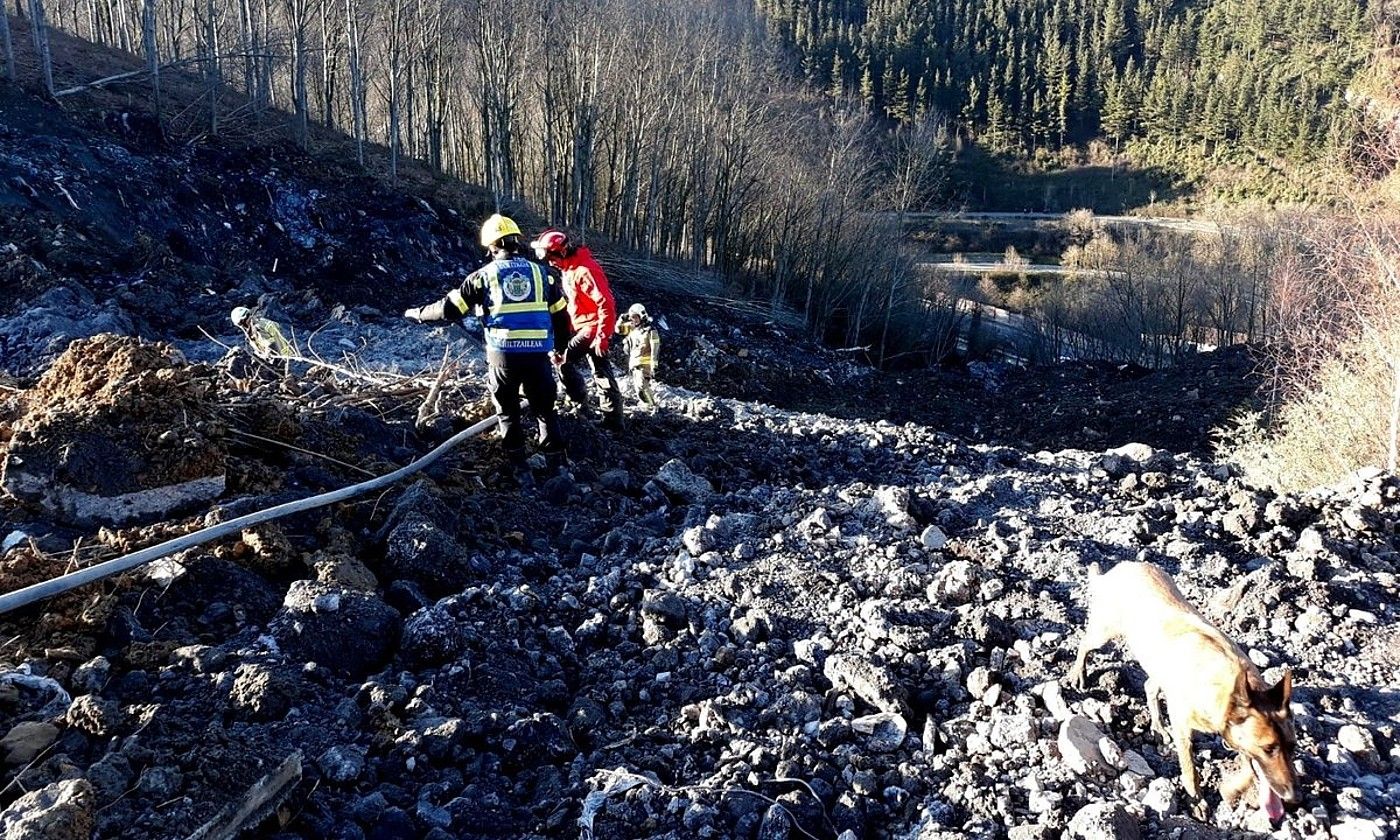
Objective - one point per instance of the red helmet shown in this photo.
(550, 242)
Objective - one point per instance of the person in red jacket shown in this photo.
(593, 314)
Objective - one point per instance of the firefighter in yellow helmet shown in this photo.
(525, 321)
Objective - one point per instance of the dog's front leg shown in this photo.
(1181, 734)
(1095, 636)
(1155, 696)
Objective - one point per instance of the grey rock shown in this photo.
(1079, 745)
(867, 680)
(884, 732)
(342, 764)
(980, 680)
(1135, 763)
(421, 551)
(618, 481)
(160, 781)
(954, 585)
(1013, 730)
(1053, 696)
(65, 810)
(91, 676)
(201, 659)
(1360, 828)
(1359, 742)
(667, 607)
(933, 538)
(26, 740)
(810, 651)
(260, 692)
(541, 738)
(1160, 797)
(1103, 821)
(433, 635)
(676, 479)
(776, 825)
(356, 637)
(92, 714)
(697, 540)
(750, 628)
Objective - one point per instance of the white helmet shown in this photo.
(240, 314)
(638, 310)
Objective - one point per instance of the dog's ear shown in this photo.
(1240, 700)
(1278, 696)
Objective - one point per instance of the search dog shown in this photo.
(1208, 683)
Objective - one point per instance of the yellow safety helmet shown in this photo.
(497, 228)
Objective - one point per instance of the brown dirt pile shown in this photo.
(115, 415)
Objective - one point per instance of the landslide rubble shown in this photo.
(734, 621)
(116, 430)
(764, 612)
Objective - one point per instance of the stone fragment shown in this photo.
(342, 764)
(1102, 821)
(1079, 745)
(680, 483)
(25, 740)
(93, 715)
(866, 680)
(933, 538)
(64, 810)
(954, 585)
(1359, 742)
(341, 629)
(884, 731)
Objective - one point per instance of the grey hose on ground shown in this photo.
(56, 586)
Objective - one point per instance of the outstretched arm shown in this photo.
(453, 307)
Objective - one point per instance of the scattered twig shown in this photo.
(295, 448)
(428, 410)
(58, 182)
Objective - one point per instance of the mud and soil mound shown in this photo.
(117, 429)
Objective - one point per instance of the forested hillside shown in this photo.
(674, 129)
(1212, 77)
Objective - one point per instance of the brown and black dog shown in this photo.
(1208, 682)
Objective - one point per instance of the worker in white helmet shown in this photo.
(643, 343)
(265, 338)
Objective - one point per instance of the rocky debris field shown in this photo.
(805, 599)
(733, 621)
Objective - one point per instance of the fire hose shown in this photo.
(63, 583)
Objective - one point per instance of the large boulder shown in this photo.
(342, 629)
(117, 430)
(61, 811)
(419, 546)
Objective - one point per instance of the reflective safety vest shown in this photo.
(268, 341)
(516, 318)
(643, 343)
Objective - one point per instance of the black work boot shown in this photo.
(556, 462)
(612, 421)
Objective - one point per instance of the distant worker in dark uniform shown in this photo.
(524, 318)
(592, 312)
